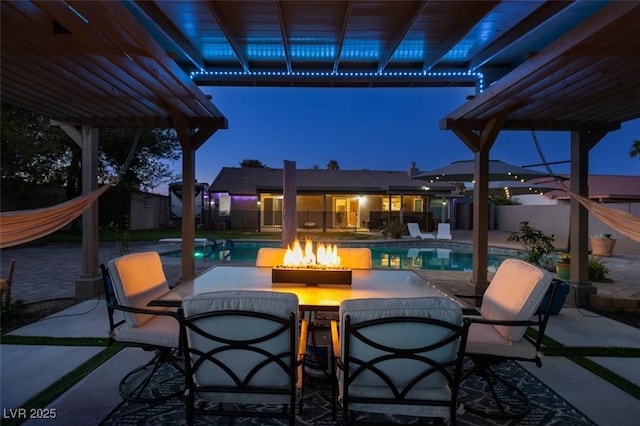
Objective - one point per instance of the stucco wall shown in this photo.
(554, 219)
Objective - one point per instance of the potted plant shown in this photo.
(563, 266)
(394, 229)
(537, 245)
(602, 245)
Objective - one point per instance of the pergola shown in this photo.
(568, 66)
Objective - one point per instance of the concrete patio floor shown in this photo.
(27, 370)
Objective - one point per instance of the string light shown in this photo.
(479, 77)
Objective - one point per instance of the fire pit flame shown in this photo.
(304, 266)
(325, 255)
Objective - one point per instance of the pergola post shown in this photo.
(480, 221)
(581, 143)
(89, 284)
(481, 143)
(190, 140)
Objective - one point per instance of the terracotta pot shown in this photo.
(602, 246)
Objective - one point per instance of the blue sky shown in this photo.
(376, 129)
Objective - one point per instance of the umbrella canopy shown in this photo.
(508, 188)
(462, 171)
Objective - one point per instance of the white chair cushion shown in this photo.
(161, 330)
(514, 294)
(484, 339)
(270, 256)
(137, 279)
(355, 258)
(237, 327)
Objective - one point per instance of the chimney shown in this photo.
(412, 170)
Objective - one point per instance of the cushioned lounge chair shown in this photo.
(131, 282)
(509, 306)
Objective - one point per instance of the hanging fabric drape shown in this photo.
(23, 226)
(621, 221)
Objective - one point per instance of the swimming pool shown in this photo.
(443, 256)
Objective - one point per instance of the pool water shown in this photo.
(429, 256)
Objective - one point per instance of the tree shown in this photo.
(33, 151)
(251, 163)
(333, 165)
(148, 167)
(635, 149)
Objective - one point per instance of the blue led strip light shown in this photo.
(479, 77)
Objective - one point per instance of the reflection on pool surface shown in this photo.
(432, 256)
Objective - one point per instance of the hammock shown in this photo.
(23, 226)
(623, 222)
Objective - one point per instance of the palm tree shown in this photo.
(333, 165)
(635, 149)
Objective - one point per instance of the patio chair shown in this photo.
(130, 282)
(508, 307)
(355, 258)
(399, 356)
(414, 232)
(242, 348)
(444, 231)
(270, 256)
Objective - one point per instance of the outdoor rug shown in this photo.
(548, 408)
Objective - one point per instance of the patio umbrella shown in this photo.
(462, 171)
(507, 188)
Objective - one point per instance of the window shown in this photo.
(417, 204)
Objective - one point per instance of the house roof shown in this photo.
(606, 188)
(251, 181)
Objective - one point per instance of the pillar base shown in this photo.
(579, 294)
(88, 287)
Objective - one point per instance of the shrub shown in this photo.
(537, 245)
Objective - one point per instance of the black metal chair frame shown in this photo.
(163, 355)
(242, 384)
(451, 370)
(519, 404)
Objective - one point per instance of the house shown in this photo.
(605, 189)
(251, 199)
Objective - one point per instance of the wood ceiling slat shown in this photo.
(459, 25)
(99, 64)
(166, 26)
(56, 86)
(283, 36)
(346, 16)
(76, 87)
(546, 11)
(400, 34)
(174, 86)
(216, 12)
(540, 68)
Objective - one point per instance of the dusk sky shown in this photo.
(375, 129)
